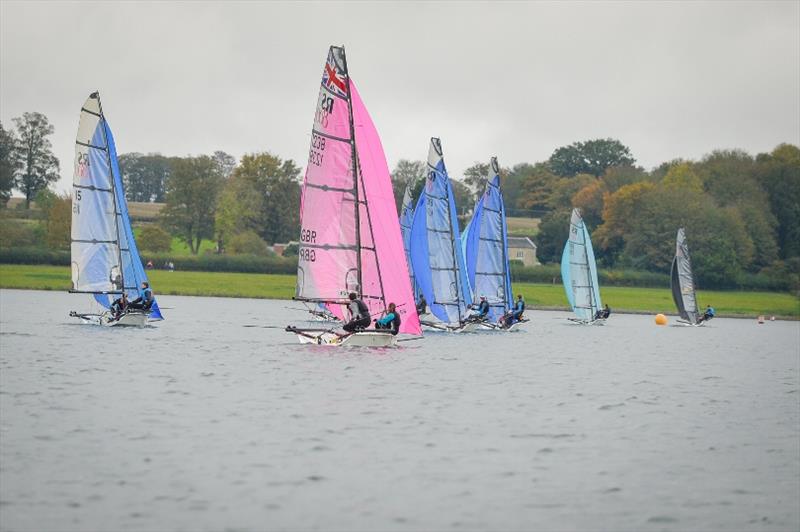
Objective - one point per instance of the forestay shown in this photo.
(350, 237)
(485, 242)
(682, 280)
(579, 270)
(436, 256)
(105, 259)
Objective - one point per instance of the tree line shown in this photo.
(740, 211)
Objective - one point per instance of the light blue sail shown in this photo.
(406, 220)
(485, 243)
(133, 272)
(436, 256)
(579, 271)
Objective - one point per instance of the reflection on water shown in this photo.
(202, 423)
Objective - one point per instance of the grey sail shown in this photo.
(682, 280)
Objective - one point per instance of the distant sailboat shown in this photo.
(682, 282)
(105, 259)
(485, 243)
(579, 273)
(350, 238)
(436, 255)
(406, 220)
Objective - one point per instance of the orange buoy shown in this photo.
(661, 319)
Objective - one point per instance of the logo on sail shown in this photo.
(333, 81)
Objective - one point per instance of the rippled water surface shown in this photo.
(201, 423)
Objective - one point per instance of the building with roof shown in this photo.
(523, 249)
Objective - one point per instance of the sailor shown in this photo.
(390, 320)
(602, 313)
(359, 314)
(708, 314)
(515, 314)
(483, 310)
(606, 312)
(145, 299)
(119, 306)
(422, 305)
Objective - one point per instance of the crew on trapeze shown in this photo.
(482, 311)
(119, 306)
(390, 320)
(515, 314)
(145, 299)
(707, 315)
(603, 313)
(359, 314)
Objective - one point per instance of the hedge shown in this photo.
(548, 273)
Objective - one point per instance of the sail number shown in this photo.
(76, 207)
(307, 236)
(307, 255)
(317, 149)
(83, 164)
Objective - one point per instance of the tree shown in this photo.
(239, 209)
(564, 189)
(589, 200)
(154, 239)
(408, 172)
(192, 189)
(537, 183)
(57, 215)
(779, 173)
(38, 166)
(8, 163)
(464, 199)
(225, 162)
(247, 243)
(145, 176)
(553, 232)
(475, 178)
(275, 184)
(616, 177)
(590, 157)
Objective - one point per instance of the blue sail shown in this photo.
(579, 270)
(406, 220)
(485, 242)
(133, 271)
(436, 256)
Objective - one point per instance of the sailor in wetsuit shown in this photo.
(707, 315)
(390, 320)
(119, 306)
(422, 305)
(145, 299)
(515, 314)
(359, 314)
(482, 312)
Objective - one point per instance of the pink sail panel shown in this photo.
(385, 266)
(327, 265)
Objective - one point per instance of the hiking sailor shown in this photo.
(707, 315)
(359, 314)
(145, 299)
(390, 320)
(422, 305)
(483, 310)
(119, 306)
(515, 314)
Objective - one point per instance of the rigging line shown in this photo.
(92, 187)
(91, 145)
(327, 188)
(85, 110)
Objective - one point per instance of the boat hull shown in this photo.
(466, 327)
(359, 339)
(129, 319)
(599, 322)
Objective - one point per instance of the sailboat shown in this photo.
(105, 259)
(350, 238)
(436, 256)
(485, 243)
(682, 283)
(579, 273)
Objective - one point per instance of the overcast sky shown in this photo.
(516, 80)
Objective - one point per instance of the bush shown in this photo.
(247, 243)
(225, 263)
(153, 238)
(34, 255)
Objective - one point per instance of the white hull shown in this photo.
(129, 319)
(359, 339)
(495, 327)
(684, 323)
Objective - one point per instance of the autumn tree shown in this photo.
(779, 173)
(8, 163)
(408, 172)
(38, 167)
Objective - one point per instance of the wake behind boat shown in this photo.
(105, 259)
(350, 240)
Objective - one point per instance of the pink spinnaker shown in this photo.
(328, 266)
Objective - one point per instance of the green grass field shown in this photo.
(644, 300)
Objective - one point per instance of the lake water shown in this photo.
(201, 423)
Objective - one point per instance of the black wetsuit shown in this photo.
(360, 316)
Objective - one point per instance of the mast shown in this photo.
(504, 229)
(117, 213)
(356, 174)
